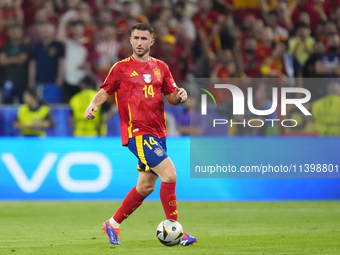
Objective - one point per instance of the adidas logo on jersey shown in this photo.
(134, 73)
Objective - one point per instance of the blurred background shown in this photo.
(54, 54)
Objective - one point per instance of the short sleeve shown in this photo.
(112, 81)
(169, 85)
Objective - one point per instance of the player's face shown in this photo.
(141, 42)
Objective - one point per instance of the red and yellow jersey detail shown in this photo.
(138, 88)
(130, 122)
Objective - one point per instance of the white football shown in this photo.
(169, 232)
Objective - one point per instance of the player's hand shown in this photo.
(89, 115)
(182, 94)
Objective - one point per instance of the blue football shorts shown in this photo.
(149, 150)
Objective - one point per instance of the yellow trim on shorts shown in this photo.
(140, 151)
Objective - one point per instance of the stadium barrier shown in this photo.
(100, 168)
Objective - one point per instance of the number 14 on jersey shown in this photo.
(148, 90)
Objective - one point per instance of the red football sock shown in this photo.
(130, 203)
(169, 199)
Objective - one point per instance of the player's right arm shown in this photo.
(109, 86)
(97, 100)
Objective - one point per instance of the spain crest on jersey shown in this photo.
(159, 152)
(147, 78)
(157, 73)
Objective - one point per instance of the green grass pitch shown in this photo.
(221, 228)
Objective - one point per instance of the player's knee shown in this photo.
(146, 190)
(171, 177)
(149, 189)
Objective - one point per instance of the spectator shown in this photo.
(264, 46)
(328, 64)
(257, 29)
(304, 18)
(10, 13)
(76, 53)
(33, 31)
(317, 9)
(171, 55)
(207, 22)
(183, 47)
(220, 67)
(313, 85)
(281, 11)
(309, 67)
(226, 68)
(107, 49)
(320, 32)
(49, 9)
(227, 25)
(105, 17)
(281, 64)
(330, 28)
(122, 22)
(164, 19)
(251, 63)
(30, 9)
(301, 46)
(14, 64)
(46, 68)
(85, 15)
(335, 11)
(247, 26)
(272, 22)
(326, 112)
(33, 116)
(78, 104)
(179, 18)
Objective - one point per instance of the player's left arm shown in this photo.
(179, 96)
(173, 94)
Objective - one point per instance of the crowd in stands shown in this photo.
(50, 46)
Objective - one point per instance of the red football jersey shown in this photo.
(138, 88)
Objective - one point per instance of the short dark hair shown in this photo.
(143, 27)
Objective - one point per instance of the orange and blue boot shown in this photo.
(112, 233)
(188, 239)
